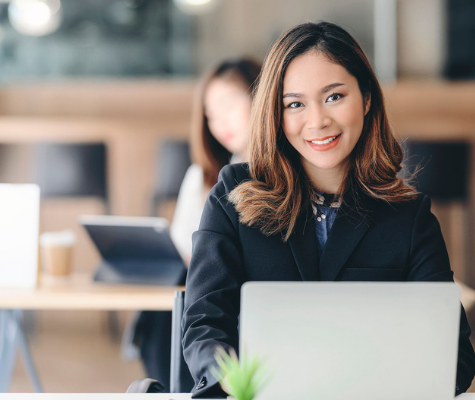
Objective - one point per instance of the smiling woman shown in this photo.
(320, 199)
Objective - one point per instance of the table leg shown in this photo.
(8, 331)
(23, 343)
(11, 336)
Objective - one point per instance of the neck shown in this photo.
(244, 156)
(327, 181)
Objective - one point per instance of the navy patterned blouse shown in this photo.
(324, 211)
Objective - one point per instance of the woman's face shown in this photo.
(228, 110)
(323, 113)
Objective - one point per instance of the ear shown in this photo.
(367, 104)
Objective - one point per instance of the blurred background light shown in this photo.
(35, 17)
(196, 6)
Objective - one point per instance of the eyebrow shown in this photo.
(323, 90)
(330, 87)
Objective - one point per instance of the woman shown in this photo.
(219, 135)
(320, 199)
(220, 131)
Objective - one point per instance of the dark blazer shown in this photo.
(388, 242)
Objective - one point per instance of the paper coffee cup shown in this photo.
(57, 251)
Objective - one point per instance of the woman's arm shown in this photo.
(214, 279)
(429, 261)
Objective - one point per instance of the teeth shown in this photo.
(326, 141)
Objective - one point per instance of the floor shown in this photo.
(74, 353)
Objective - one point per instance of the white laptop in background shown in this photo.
(19, 231)
(353, 340)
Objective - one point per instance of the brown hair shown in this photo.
(279, 189)
(206, 150)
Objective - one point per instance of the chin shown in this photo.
(324, 166)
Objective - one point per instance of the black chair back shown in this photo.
(172, 163)
(181, 380)
(444, 168)
(71, 170)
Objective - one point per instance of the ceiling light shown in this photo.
(35, 17)
(196, 6)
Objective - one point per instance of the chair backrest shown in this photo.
(444, 168)
(172, 163)
(181, 380)
(71, 169)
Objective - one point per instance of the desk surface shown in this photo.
(80, 292)
(129, 396)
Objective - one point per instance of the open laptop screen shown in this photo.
(353, 340)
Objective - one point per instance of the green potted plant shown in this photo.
(241, 378)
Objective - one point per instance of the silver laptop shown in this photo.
(353, 340)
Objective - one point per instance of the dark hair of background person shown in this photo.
(280, 189)
(205, 149)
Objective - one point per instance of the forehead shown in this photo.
(225, 84)
(313, 70)
(222, 87)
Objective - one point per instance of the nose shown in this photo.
(317, 117)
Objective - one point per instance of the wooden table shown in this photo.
(79, 292)
(74, 292)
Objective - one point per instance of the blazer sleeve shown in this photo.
(429, 261)
(213, 285)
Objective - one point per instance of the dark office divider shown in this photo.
(460, 62)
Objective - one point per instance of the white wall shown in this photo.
(421, 37)
(248, 27)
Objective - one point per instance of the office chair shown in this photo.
(444, 175)
(444, 169)
(147, 331)
(181, 380)
(172, 163)
(68, 170)
(72, 170)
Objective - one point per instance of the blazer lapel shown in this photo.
(303, 243)
(347, 231)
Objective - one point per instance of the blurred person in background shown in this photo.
(219, 136)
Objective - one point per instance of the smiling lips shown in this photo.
(324, 144)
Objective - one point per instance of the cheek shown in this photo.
(354, 120)
(216, 129)
(290, 126)
(240, 119)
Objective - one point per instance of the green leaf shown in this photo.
(243, 378)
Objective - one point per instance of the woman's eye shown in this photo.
(295, 104)
(334, 97)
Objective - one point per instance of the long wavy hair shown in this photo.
(206, 151)
(280, 189)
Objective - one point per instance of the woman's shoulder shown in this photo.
(420, 204)
(193, 179)
(194, 171)
(232, 175)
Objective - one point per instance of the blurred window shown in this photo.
(100, 38)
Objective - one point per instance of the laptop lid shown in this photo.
(353, 340)
(19, 231)
(136, 250)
